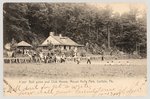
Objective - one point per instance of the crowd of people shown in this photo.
(41, 57)
(52, 57)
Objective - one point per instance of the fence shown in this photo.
(94, 57)
(17, 60)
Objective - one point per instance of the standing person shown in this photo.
(89, 60)
(45, 58)
(102, 55)
(54, 58)
(33, 56)
(63, 58)
(78, 60)
(75, 58)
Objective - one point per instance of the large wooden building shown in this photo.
(63, 42)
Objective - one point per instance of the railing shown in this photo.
(17, 60)
(95, 58)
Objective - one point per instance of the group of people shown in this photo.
(47, 57)
(53, 57)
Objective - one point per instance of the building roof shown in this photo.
(59, 40)
(23, 44)
(52, 40)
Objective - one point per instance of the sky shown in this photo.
(122, 7)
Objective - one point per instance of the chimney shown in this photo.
(60, 35)
(51, 33)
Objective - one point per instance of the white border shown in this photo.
(74, 1)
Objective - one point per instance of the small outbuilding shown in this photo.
(24, 46)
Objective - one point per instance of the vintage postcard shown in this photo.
(74, 49)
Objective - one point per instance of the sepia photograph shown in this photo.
(74, 49)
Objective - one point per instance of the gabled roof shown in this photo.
(57, 40)
(52, 40)
(23, 44)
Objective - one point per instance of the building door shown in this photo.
(64, 47)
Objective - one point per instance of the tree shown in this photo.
(13, 45)
(82, 23)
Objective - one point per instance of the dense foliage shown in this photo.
(83, 23)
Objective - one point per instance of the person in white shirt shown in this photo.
(89, 60)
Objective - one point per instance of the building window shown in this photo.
(64, 47)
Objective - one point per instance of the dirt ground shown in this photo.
(98, 69)
(101, 78)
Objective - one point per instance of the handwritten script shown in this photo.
(75, 87)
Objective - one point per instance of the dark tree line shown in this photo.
(83, 23)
